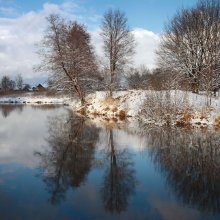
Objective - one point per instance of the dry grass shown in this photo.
(114, 120)
(217, 121)
(115, 109)
(185, 117)
(106, 109)
(13, 93)
(82, 110)
(122, 115)
(204, 112)
(17, 93)
(109, 107)
(110, 101)
(95, 113)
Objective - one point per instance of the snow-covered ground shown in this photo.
(132, 103)
(28, 98)
(136, 104)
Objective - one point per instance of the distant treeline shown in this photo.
(7, 84)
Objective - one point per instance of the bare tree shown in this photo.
(137, 78)
(67, 52)
(19, 81)
(191, 44)
(7, 84)
(166, 79)
(12, 85)
(118, 43)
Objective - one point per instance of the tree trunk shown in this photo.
(79, 92)
(111, 85)
(82, 100)
(195, 86)
(112, 80)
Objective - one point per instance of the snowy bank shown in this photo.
(154, 107)
(150, 107)
(29, 99)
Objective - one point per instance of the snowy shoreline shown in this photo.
(133, 103)
(190, 108)
(34, 100)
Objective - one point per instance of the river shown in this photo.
(57, 165)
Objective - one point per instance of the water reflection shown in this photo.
(46, 106)
(7, 109)
(91, 173)
(119, 180)
(70, 155)
(190, 162)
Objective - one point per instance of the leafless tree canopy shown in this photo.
(66, 52)
(191, 44)
(7, 84)
(137, 78)
(118, 42)
(19, 82)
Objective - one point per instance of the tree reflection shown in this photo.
(46, 106)
(119, 181)
(70, 155)
(9, 108)
(191, 164)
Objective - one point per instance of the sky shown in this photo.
(22, 24)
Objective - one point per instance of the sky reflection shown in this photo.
(57, 165)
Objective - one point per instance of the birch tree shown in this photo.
(118, 43)
(66, 51)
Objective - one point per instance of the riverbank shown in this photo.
(155, 107)
(150, 107)
(34, 98)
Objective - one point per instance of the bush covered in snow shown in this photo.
(165, 107)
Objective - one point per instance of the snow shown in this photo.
(29, 99)
(132, 104)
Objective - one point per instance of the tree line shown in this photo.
(187, 57)
(8, 84)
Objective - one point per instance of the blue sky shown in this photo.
(149, 14)
(22, 24)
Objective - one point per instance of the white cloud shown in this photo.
(69, 6)
(18, 37)
(147, 43)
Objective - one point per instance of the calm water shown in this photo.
(56, 165)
